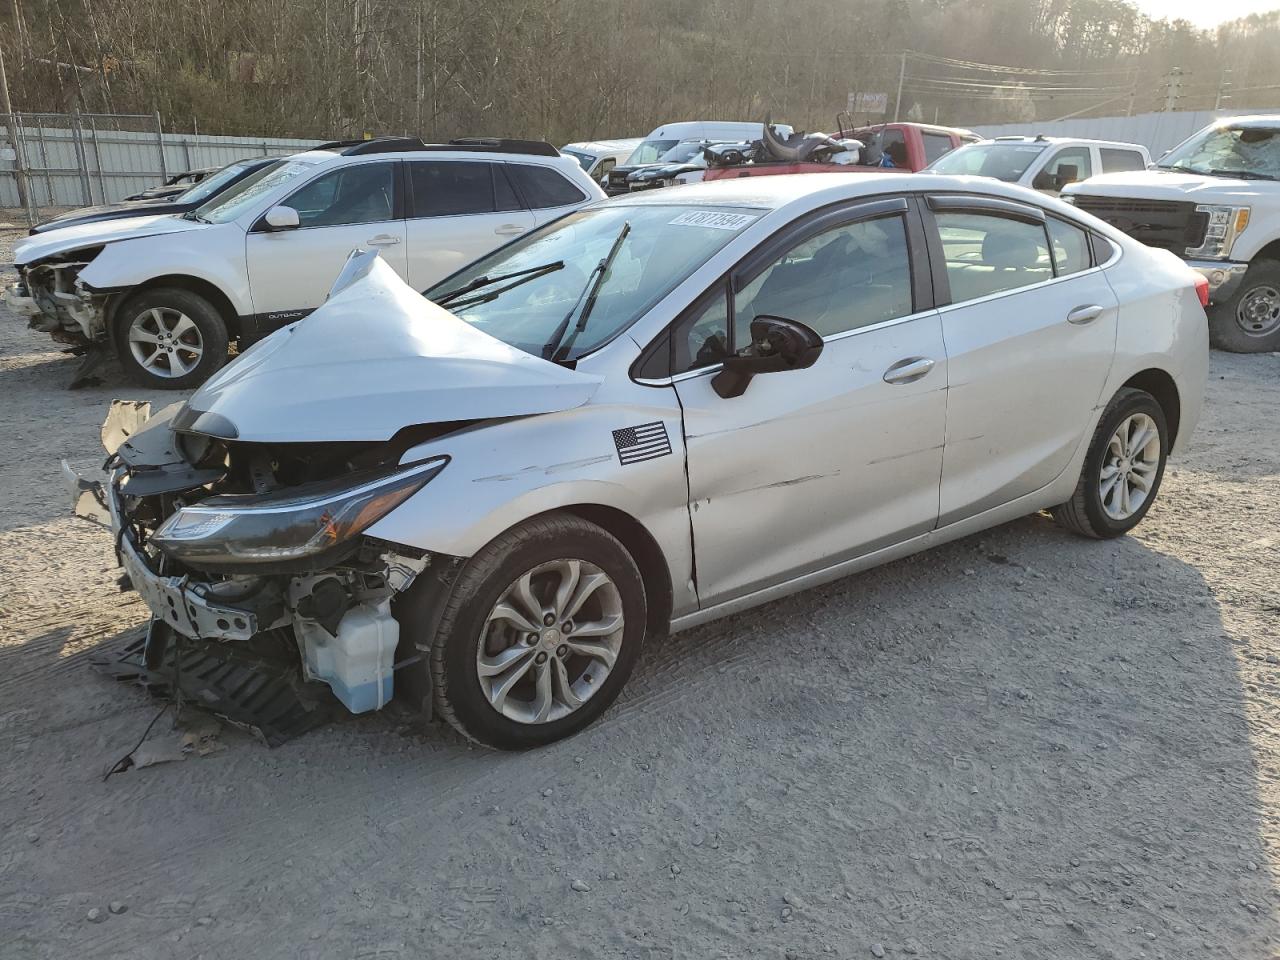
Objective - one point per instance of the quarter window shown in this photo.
(701, 338)
(357, 194)
(987, 254)
(542, 187)
(1070, 247)
(847, 277)
(450, 188)
(1117, 161)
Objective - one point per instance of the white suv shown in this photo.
(1043, 163)
(169, 292)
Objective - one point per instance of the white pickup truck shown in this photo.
(1214, 200)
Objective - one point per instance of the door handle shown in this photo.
(1087, 314)
(909, 370)
(509, 230)
(383, 240)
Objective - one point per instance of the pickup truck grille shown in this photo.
(1170, 224)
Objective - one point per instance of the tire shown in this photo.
(467, 633)
(1249, 322)
(170, 339)
(1087, 512)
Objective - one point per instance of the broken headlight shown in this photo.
(281, 528)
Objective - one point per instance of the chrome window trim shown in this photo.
(1016, 290)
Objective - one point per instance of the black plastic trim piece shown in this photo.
(959, 202)
(361, 148)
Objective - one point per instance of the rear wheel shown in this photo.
(1122, 470)
(169, 338)
(539, 634)
(1249, 322)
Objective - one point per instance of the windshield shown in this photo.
(585, 160)
(1003, 161)
(213, 183)
(1222, 151)
(683, 152)
(666, 243)
(249, 191)
(650, 151)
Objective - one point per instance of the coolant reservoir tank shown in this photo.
(358, 663)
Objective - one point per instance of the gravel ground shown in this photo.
(1019, 745)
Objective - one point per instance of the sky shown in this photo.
(1203, 13)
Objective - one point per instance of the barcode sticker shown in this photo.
(714, 220)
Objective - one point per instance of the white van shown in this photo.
(665, 137)
(598, 157)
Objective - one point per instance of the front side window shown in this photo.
(847, 277)
(1070, 247)
(935, 146)
(522, 293)
(1066, 166)
(987, 254)
(450, 188)
(357, 194)
(543, 187)
(1118, 161)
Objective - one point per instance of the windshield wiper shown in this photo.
(522, 276)
(1242, 174)
(553, 349)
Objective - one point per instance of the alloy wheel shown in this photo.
(550, 641)
(1129, 466)
(165, 342)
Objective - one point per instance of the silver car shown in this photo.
(648, 414)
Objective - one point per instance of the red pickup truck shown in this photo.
(911, 146)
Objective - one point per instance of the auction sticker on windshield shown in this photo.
(717, 221)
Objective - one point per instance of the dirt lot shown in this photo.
(1021, 745)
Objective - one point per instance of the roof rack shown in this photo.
(357, 148)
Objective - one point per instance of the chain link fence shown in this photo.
(52, 161)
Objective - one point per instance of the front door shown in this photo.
(1030, 337)
(355, 207)
(814, 466)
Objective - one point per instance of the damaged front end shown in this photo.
(227, 540)
(51, 295)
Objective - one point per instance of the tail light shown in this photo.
(1202, 290)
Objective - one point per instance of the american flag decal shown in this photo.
(644, 442)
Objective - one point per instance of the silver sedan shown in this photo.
(648, 414)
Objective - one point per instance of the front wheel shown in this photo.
(540, 632)
(1122, 470)
(170, 338)
(1249, 322)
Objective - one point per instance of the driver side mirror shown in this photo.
(281, 218)
(776, 344)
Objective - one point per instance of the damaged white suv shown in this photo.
(649, 414)
(168, 293)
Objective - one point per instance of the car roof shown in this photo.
(604, 146)
(1080, 141)
(1253, 120)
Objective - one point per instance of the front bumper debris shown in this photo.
(1224, 277)
(15, 297)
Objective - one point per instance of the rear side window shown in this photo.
(451, 188)
(543, 187)
(935, 145)
(987, 254)
(1117, 161)
(1070, 247)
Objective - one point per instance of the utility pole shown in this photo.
(1224, 88)
(902, 75)
(6, 110)
(1173, 91)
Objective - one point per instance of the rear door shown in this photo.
(1030, 328)
(459, 210)
(357, 206)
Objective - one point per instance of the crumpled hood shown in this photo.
(72, 237)
(375, 358)
(1167, 185)
(662, 170)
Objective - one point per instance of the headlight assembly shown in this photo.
(1225, 224)
(283, 528)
